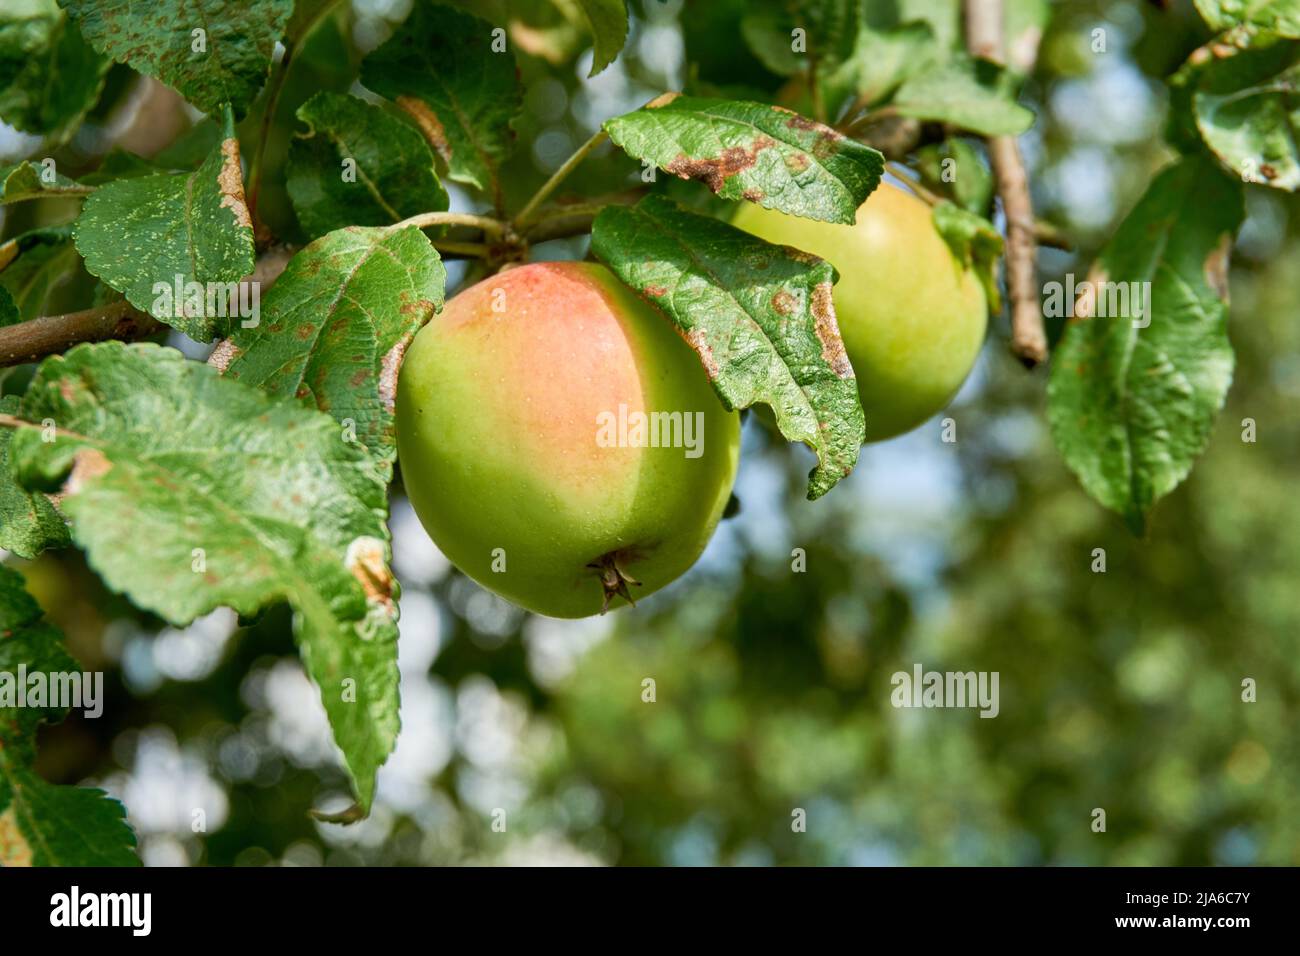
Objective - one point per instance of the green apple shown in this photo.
(912, 318)
(560, 441)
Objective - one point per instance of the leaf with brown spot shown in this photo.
(166, 456)
(372, 288)
(752, 151)
(139, 234)
(441, 69)
(1241, 94)
(393, 166)
(156, 38)
(759, 315)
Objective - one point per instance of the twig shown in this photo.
(984, 38)
(1045, 234)
(491, 227)
(34, 339)
(904, 174)
(548, 187)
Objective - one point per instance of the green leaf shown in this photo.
(759, 315)
(161, 231)
(827, 29)
(1243, 87)
(882, 60)
(357, 165)
(189, 491)
(28, 180)
(608, 19)
(766, 30)
(49, 75)
(42, 824)
(336, 324)
(9, 314)
(955, 168)
(34, 264)
(765, 154)
(1280, 16)
(439, 67)
(1132, 405)
(15, 246)
(970, 93)
(28, 521)
(975, 243)
(210, 51)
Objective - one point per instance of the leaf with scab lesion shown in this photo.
(440, 69)
(390, 166)
(760, 316)
(335, 325)
(764, 154)
(148, 236)
(211, 51)
(190, 491)
(1239, 91)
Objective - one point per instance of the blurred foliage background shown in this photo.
(1119, 690)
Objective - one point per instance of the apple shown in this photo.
(560, 441)
(912, 318)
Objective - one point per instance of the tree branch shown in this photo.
(31, 341)
(493, 228)
(985, 38)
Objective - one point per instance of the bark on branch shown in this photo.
(985, 38)
(33, 340)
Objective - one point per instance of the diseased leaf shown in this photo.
(189, 491)
(28, 180)
(975, 243)
(439, 67)
(336, 324)
(608, 19)
(49, 75)
(759, 315)
(974, 94)
(765, 154)
(1242, 89)
(357, 165)
(210, 51)
(1134, 391)
(148, 236)
(28, 521)
(1280, 16)
(42, 824)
